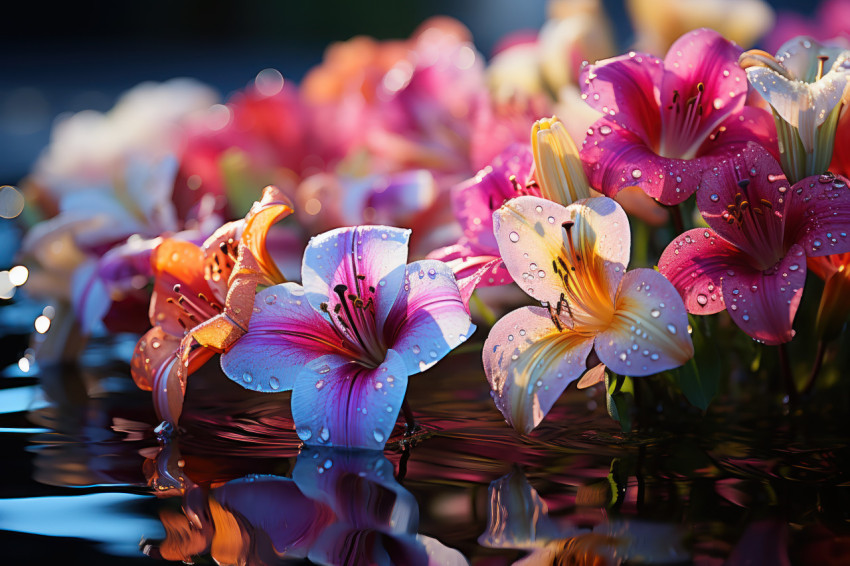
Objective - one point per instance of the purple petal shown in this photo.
(696, 263)
(764, 305)
(376, 253)
(529, 363)
(532, 238)
(285, 333)
(817, 215)
(89, 296)
(276, 506)
(649, 333)
(343, 544)
(701, 57)
(615, 158)
(467, 263)
(625, 89)
(339, 402)
(429, 318)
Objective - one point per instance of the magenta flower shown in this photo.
(667, 121)
(476, 254)
(752, 259)
(346, 342)
(573, 260)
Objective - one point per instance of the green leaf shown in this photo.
(619, 399)
(698, 379)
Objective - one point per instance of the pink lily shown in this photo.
(752, 258)
(573, 260)
(346, 341)
(667, 121)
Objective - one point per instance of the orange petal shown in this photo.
(153, 351)
(272, 207)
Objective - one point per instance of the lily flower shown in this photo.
(751, 260)
(202, 301)
(573, 260)
(667, 121)
(804, 85)
(346, 341)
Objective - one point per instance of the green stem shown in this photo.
(787, 377)
(810, 383)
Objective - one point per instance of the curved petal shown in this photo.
(273, 206)
(649, 333)
(592, 376)
(378, 254)
(467, 264)
(817, 215)
(750, 124)
(285, 334)
(168, 392)
(155, 349)
(615, 158)
(700, 57)
(339, 402)
(745, 200)
(429, 318)
(475, 200)
(764, 305)
(625, 89)
(537, 249)
(529, 363)
(696, 263)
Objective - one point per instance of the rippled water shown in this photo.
(84, 477)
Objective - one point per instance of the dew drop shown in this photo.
(655, 313)
(320, 384)
(671, 329)
(605, 130)
(247, 377)
(514, 237)
(270, 299)
(304, 433)
(416, 349)
(325, 369)
(379, 436)
(702, 299)
(324, 434)
(636, 174)
(714, 197)
(274, 383)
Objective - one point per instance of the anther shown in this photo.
(743, 183)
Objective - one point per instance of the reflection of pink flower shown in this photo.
(752, 259)
(346, 342)
(667, 121)
(574, 261)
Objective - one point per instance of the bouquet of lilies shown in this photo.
(414, 193)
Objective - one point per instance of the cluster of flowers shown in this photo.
(383, 135)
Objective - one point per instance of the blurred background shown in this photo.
(77, 56)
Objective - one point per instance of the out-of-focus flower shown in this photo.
(659, 24)
(346, 342)
(752, 258)
(831, 21)
(202, 301)
(665, 122)
(339, 507)
(804, 85)
(574, 261)
(834, 308)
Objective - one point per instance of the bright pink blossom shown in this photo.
(752, 259)
(667, 121)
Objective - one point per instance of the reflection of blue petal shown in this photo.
(102, 517)
(517, 517)
(336, 402)
(359, 486)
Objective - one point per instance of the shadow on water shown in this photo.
(85, 476)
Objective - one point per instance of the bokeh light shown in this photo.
(11, 202)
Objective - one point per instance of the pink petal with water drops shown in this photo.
(475, 200)
(764, 305)
(429, 318)
(625, 89)
(531, 238)
(467, 262)
(376, 253)
(750, 124)
(649, 332)
(701, 57)
(615, 158)
(529, 363)
(339, 402)
(696, 263)
(285, 333)
(753, 177)
(818, 215)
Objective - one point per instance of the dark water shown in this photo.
(85, 480)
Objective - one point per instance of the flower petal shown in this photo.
(751, 124)
(817, 215)
(273, 206)
(339, 402)
(696, 263)
(625, 88)
(429, 318)
(153, 350)
(764, 305)
(529, 363)
(467, 264)
(591, 377)
(338, 257)
(285, 334)
(532, 238)
(475, 200)
(702, 57)
(649, 333)
(615, 158)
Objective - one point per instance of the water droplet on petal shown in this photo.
(655, 313)
(325, 369)
(636, 174)
(714, 197)
(671, 329)
(379, 436)
(514, 237)
(605, 130)
(702, 299)
(416, 349)
(320, 384)
(304, 433)
(270, 299)
(324, 434)
(247, 377)
(274, 383)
